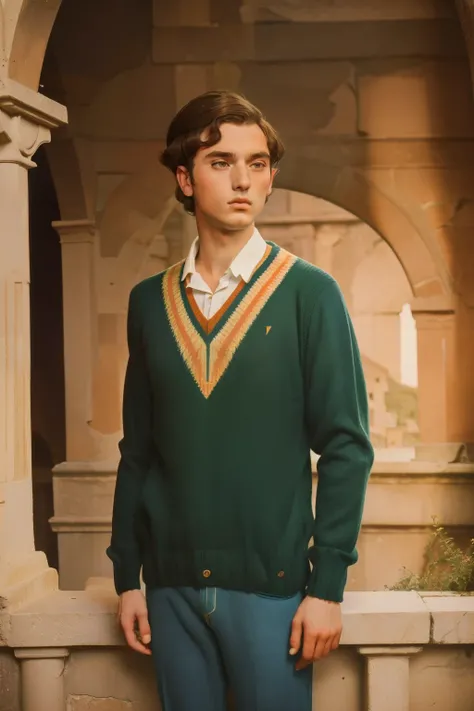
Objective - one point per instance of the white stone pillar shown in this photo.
(42, 678)
(80, 333)
(325, 239)
(388, 677)
(24, 125)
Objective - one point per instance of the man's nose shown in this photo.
(241, 178)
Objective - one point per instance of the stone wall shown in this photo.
(401, 502)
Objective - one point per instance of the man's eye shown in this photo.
(259, 165)
(219, 164)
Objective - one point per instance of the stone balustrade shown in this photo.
(402, 499)
(400, 651)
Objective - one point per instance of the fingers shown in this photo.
(144, 628)
(321, 644)
(307, 654)
(316, 647)
(128, 626)
(295, 639)
(336, 640)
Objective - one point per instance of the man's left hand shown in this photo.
(316, 630)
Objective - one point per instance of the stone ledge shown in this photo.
(88, 618)
(452, 617)
(19, 100)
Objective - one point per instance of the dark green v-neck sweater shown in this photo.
(214, 481)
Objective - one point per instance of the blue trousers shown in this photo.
(205, 641)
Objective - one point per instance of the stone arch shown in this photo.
(34, 22)
(68, 161)
(353, 191)
(133, 216)
(465, 11)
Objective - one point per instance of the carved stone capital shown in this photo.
(75, 231)
(26, 119)
(20, 139)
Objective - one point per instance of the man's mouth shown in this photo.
(240, 201)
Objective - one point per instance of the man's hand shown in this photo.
(317, 627)
(133, 617)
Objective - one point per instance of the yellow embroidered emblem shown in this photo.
(267, 330)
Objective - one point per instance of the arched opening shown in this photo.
(47, 360)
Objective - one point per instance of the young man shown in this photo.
(242, 359)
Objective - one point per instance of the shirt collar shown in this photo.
(244, 263)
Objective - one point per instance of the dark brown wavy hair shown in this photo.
(208, 112)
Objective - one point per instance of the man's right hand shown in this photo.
(133, 614)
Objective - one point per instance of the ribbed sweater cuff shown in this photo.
(329, 575)
(126, 573)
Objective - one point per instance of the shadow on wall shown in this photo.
(43, 502)
(47, 352)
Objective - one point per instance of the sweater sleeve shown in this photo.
(337, 420)
(135, 450)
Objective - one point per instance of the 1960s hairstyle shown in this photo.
(208, 112)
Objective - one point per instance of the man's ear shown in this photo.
(183, 177)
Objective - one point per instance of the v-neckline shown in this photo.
(208, 328)
(208, 355)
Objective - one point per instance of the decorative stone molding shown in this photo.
(25, 122)
(75, 231)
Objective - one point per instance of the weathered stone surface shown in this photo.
(190, 13)
(442, 678)
(452, 618)
(401, 616)
(283, 41)
(140, 103)
(91, 703)
(9, 681)
(228, 12)
(428, 89)
(190, 81)
(303, 98)
(112, 676)
(129, 156)
(349, 10)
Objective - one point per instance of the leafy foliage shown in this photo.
(447, 566)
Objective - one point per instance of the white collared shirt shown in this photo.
(242, 267)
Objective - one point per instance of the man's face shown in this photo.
(231, 180)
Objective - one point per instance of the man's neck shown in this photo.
(217, 251)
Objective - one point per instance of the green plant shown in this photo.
(447, 566)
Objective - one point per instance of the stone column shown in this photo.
(388, 677)
(42, 678)
(25, 122)
(80, 333)
(437, 385)
(325, 239)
